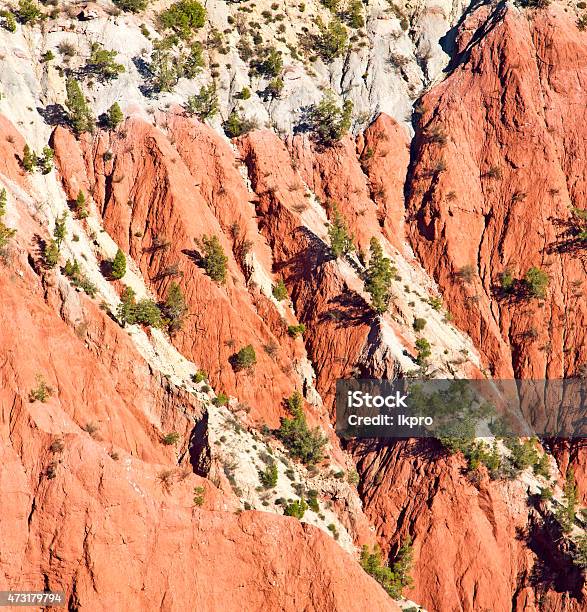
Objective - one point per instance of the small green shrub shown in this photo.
(131, 6)
(42, 392)
(114, 116)
(331, 122)
(279, 291)
(297, 509)
(200, 376)
(395, 578)
(566, 512)
(214, 259)
(245, 358)
(268, 476)
(101, 63)
(236, 125)
(424, 351)
(29, 159)
(131, 312)
(118, 269)
(303, 443)
(6, 233)
(204, 104)
(312, 501)
(80, 114)
(184, 18)
(332, 39)
(341, 241)
(7, 20)
(220, 400)
(536, 281)
(419, 324)
(199, 496)
(174, 308)
(296, 330)
(50, 254)
(80, 206)
(507, 281)
(28, 11)
(170, 439)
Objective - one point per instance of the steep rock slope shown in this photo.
(496, 161)
(84, 455)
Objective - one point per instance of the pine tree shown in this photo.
(280, 291)
(174, 308)
(115, 116)
(6, 233)
(80, 205)
(51, 253)
(214, 259)
(341, 242)
(126, 308)
(80, 114)
(119, 265)
(60, 231)
(29, 159)
(379, 275)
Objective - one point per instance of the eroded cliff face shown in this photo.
(484, 187)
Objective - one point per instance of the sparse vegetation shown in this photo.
(297, 509)
(268, 476)
(114, 116)
(118, 268)
(204, 104)
(566, 512)
(331, 122)
(341, 241)
(144, 312)
(536, 282)
(199, 376)
(7, 20)
(29, 159)
(424, 351)
(174, 308)
(332, 39)
(236, 125)
(42, 391)
(80, 114)
(28, 11)
(378, 277)
(296, 330)
(131, 6)
(395, 578)
(199, 496)
(214, 259)
(303, 443)
(419, 324)
(170, 439)
(280, 291)
(102, 63)
(74, 273)
(245, 358)
(184, 18)
(6, 233)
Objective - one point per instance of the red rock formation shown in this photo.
(151, 206)
(477, 544)
(94, 504)
(337, 318)
(384, 155)
(494, 175)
